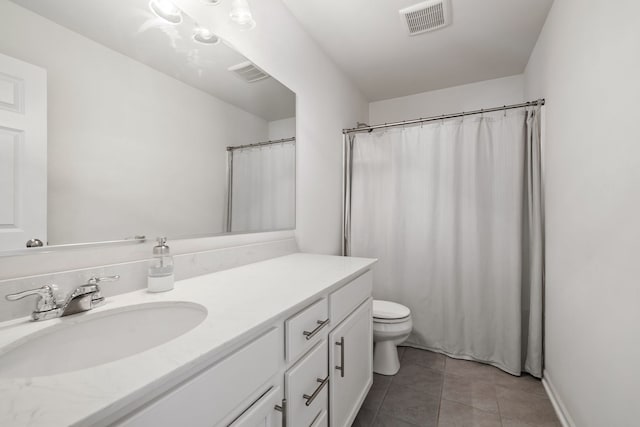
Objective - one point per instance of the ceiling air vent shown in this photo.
(426, 16)
(248, 72)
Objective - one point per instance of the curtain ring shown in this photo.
(504, 107)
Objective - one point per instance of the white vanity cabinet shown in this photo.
(265, 355)
(328, 385)
(312, 368)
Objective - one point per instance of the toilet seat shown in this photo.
(391, 321)
(389, 312)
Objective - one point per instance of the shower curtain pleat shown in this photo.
(453, 212)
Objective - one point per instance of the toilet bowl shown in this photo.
(391, 327)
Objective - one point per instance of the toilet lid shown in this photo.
(389, 310)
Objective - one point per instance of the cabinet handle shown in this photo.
(282, 408)
(310, 399)
(341, 367)
(321, 324)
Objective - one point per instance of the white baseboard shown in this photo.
(558, 405)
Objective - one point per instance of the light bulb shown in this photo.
(166, 10)
(241, 13)
(204, 36)
(249, 25)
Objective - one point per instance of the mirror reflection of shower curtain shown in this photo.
(453, 210)
(263, 188)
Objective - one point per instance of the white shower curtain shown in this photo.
(453, 211)
(263, 188)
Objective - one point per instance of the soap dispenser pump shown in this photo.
(160, 274)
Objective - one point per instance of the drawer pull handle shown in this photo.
(321, 324)
(341, 367)
(310, 399)
(282, 408)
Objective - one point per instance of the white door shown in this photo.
(351, 361)
(23, 153)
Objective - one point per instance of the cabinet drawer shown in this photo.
(343, 301)
(306, 328)
(213, 394)
(306, 385)
(322, 420)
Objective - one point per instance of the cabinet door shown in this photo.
(322, 420)
(262, 413)
(220, 391)
(351, 364)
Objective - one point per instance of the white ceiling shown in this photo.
(129, 27)
(368, 40)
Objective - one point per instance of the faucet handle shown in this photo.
(46, 297)
(94, 280)
(97, 298)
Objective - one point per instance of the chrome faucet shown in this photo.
(81, 299)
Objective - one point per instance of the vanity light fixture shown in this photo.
(241, 14)
(204, 36)
(166, 10)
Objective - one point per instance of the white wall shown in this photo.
(486, 94)
(280, 129)
(112, 122)
(587, 66)
(326, 103)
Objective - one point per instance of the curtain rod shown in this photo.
(258, 144)
(444, 117)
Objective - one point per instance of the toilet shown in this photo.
(391, 327)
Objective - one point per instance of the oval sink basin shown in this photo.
(80, 342)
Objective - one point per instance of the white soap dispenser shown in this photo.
(160, 276)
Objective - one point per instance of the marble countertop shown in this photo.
(240, 302)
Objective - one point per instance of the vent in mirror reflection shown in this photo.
(248, 72)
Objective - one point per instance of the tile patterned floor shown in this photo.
(434, 390)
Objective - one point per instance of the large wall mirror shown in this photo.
(117, 124)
